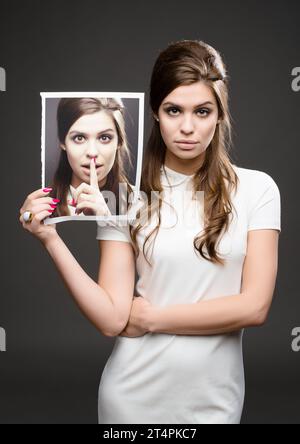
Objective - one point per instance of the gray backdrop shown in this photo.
(54, 359)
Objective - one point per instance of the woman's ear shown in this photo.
(155, 117)
(62, 146)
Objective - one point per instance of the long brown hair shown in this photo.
(183, 63)
(71, 109)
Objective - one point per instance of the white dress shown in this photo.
(185, 379)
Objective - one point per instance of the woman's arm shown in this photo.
(107, 303)
(230, 313)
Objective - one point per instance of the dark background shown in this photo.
(52, 367)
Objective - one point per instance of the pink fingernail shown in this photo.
(46, 190)
(56, 200)
(53, 205)
(50, 211)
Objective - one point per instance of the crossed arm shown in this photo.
(225, 314)
(108, 304)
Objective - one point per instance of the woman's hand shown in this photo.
(138, 322)
(41, 207)
(88, 197)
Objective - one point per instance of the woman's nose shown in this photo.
(187, 125)
(92, 149)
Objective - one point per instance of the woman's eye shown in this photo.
(205, 110)
(106, 137)
(78, 138)
(171, 109)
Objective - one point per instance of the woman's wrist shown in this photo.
(50, 240)
(151, 318)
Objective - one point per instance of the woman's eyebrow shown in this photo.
(82, 132)
(201, 104)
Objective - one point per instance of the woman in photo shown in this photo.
(90, 130)
(177, 356)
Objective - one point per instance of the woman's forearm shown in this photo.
(92, 300)
(210, 317)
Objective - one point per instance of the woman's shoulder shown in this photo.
(253, 178)
(256, 187)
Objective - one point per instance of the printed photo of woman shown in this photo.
(93, 174)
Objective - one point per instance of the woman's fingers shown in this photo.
(86, 207)
(41, 192)
(88, 198)
(93, 174)
(92, 208)
(37, 194)
(37, 206)
(92, 186)
(84, 197)
(40, 201)
(83, 188)
(35, 224)
(36, 209)
(92, 196)
(38, 218)
(41, 206)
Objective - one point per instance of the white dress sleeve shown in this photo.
(113, 231)
(116, 230)
(264, 211)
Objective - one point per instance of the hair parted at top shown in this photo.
(183, 63)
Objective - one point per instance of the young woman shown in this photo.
(178, 357)
(90, 129)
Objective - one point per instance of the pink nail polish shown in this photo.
(47, 190)
(53, 205)
(56, 200)
(50, 211)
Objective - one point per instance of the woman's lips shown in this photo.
(87, 169)
(186, 146)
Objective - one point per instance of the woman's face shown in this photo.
(92, 135)
(189, 113)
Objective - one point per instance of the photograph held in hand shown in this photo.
(92, 147)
